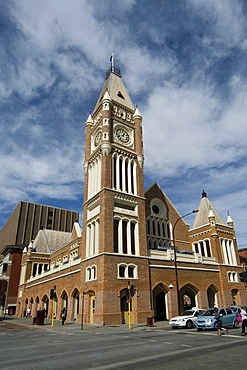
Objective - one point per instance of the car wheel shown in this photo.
(236, 324)
(189, 324)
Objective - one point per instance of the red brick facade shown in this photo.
(128, 237)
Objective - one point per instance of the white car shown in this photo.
(187, 319)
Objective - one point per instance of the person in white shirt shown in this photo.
(244, 320)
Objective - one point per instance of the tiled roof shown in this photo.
(204, 208)
(117, 91)
(48, 241)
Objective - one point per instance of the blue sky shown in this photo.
(184, 64)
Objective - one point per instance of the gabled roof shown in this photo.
(206, 208)
(116, 89)
(47, 241)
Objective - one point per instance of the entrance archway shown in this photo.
(188, 299)
(45, 301)
(91, 307)
(32, 306)
(235, 297)
(25, 308)
(124, 306)
(75, 296)
(36, 306)
(64, 303)
(212, 296)
(160, 304)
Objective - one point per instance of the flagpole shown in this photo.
(112, 62)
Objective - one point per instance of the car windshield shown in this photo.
(187, 313)
(209, 313)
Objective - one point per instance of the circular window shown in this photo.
(156, 209)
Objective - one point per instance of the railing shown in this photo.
(113, 69)
(55, 269)
(182, 256)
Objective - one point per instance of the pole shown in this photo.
(82, 310)
(52, 313)
(175, 255)
(129, 305)
(53, 305)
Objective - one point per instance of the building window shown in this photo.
(122, 271)
(232, 277)
(127, 271)
(91, 273)
(94, 176)
(74, 255)
(202, 247)
(157, 227)
(124, 174)
(92, 238)
(5, 267)
(228, 252)
(125, 236)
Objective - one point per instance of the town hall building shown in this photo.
(130, 238)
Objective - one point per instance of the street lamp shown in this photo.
(175, 254)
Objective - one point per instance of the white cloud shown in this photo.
(56, 64)
(226, 20)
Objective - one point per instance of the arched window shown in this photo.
(228, 251)
(91, 273)
(125, 236)
(127, 271)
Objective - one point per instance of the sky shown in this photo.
(183, 63)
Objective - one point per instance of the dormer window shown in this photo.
(120, 95)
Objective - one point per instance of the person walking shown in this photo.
(28, 312)
(244, 320)
(218, 318)
(63, 315)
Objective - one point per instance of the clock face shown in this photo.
(122, 135)
(97, 138)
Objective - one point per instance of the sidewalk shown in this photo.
(76, 327)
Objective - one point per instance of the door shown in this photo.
(92, 309)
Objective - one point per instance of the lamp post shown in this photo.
(82, 309)
(175, 254)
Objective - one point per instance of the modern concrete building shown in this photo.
(21, 227)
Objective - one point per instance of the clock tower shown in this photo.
(114, 222)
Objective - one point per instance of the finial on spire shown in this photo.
(229, 219)
(112, 68)
(112, 61)
(204, 194)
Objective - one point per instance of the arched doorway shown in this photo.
(45, 301)
(160, 304)
(64, 298)
(75, 296)
(31, 306)
(212, 296)
(124, 306)
(36, 306)
(235, 297)
(25, 308)
(188, 298)
(92, 307)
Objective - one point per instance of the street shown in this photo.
(36, 348)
